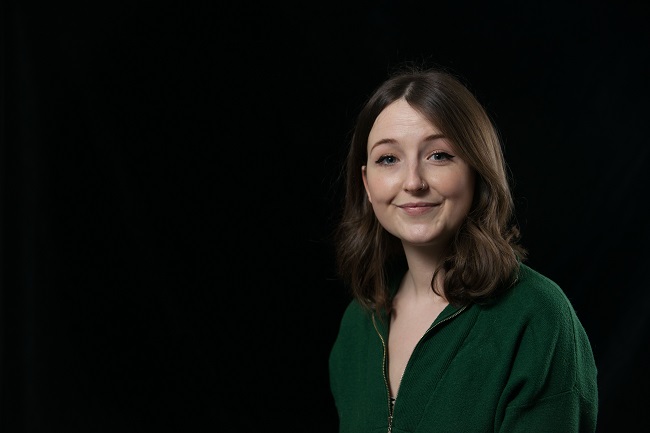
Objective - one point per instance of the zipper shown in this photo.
(391, 407)
(383, 372)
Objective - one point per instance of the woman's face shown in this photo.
(420, 189)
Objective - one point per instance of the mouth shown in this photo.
(416, 209)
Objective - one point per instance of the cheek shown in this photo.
(378, 187)
(462, 189)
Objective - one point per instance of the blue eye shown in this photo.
(441, 156)
(386, 160)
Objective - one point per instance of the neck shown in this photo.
(422, 263)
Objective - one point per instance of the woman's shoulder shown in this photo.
(354, 309)
(536, 310)
(535, 295)
(533, 285)
(355, 315)
(356, 327)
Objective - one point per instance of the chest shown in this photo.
(407, 327)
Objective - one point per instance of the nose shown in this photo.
(415, 182)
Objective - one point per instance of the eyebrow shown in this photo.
(431, 137)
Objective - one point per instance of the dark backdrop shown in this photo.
(168, 187)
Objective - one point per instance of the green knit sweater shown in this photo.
(522, 364)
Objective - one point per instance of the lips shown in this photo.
(416, 209)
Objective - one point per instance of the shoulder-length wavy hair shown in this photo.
(483, 258)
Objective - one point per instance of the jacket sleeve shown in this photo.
(552, 386)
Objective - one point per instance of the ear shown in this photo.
(365, 182)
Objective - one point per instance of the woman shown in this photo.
(448, 331)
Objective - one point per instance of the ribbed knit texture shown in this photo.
(523, 364)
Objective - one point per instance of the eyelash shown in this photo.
(382, 159)
(444, 154)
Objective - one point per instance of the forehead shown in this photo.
(399, 119)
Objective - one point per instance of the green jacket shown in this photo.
(522, 364)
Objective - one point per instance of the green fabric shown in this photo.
(522, 364)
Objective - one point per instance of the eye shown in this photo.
(441, 156)
(386, 160)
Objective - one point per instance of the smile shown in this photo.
(416, 209)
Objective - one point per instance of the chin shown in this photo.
(419, 241)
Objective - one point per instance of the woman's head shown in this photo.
(420, 189)
(365, 247)
(453, 109)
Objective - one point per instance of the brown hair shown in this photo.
(483, 258)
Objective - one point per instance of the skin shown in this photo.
(421, 191)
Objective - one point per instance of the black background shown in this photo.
(169, 185)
